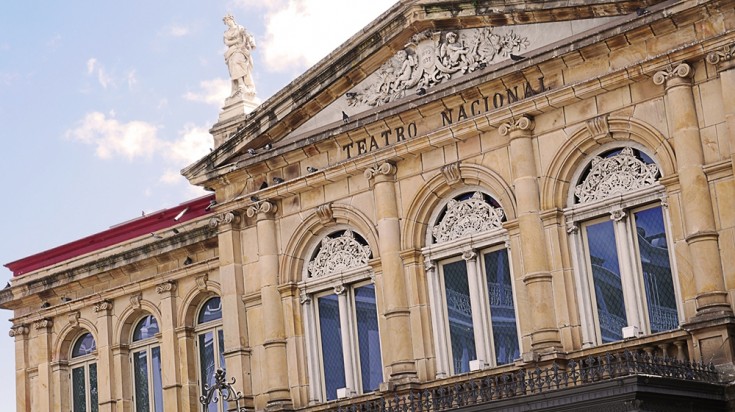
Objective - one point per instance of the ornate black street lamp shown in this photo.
(222, 391)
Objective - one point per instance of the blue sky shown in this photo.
(103, 103)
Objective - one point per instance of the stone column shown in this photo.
(234, 321)
(723, 59)
(22, 390)
(537, 277)
(696, 199)
(274, 328)
(399, 351)
(105, 378)
(170, 377)
(478, 319)
(41, 356)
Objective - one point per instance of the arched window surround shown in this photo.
(474, 248)
(146, 364)
(209, 331)
(83, 374)
(343, 293)
(621, 209)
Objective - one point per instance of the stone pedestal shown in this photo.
(233, 112)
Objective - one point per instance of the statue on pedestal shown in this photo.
(238, 57)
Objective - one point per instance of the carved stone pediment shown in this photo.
(466, 217)
(338, 255)
(433, 57)
(615, 175)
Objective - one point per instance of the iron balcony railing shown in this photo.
(535, 381)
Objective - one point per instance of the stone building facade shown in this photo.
(483, 205)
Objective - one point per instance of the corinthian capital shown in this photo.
(523, 123)
(264, 207)
(680, 71)
(385, 168)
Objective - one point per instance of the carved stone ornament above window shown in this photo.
(338, 255)
(433, 57)
(466, 217)
(615, 175)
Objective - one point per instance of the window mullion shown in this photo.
(631, 286)
(312, 349)
(584, 294)
(346, 338)
(438, 320)
(470, 257)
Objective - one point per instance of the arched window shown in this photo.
(83, 367)
(211, 344)
(341, 312)
(471, 285)
(146, 354)
(620, 247)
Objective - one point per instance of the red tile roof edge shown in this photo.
(147, 224)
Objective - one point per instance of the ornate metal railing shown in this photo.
(534, 381)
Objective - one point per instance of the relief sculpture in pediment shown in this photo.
(433, 57)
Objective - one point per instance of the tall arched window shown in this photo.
(83, 365)
(211, 344)
(341, 312)
(471, 285)
(620, 247)
(146, 354)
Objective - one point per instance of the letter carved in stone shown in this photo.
(466, 217)
(433, 57)
(615, 175)
(339, 254)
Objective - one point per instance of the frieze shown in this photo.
(434, 57)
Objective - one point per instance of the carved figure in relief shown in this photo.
(431, 58)
(238, 57)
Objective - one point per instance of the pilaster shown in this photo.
(723, 59)
(169, 370)
(22, 388)
(537, 277)
(399, 351)
(41, 356)
(274, 328)
(105, 378)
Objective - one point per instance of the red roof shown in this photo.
(145, 225)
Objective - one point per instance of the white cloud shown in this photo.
(212, 92)
(113, 138)
(193, 143)
(170, 177)
(177, 31)
(132, 79)
(103, 77)
(304, 31)
(90, 65)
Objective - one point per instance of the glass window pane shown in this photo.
(146, 328)
(331, 336)
(157, 383)
(459, 312)
(221, 347)
(212, 310)
(79, 390)
(206, 363)
(140, 372)
(502, 311)
(371, 366)
(84, 346)
(93, 397)
(606, 278)
(656, 266)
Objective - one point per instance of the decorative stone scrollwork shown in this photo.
(202, 282)
(617, 214)
(339, 254)
(18, 330)
(324, 212)
(105, 306)
(451, 173)
(339, 290)
(682, 70)
(523, 123)
(73, 318)
(305, 298)
(264, 207)
(572, 228)
(466, 217)
(43, 324)
(598, 127)
(386, 168)
(166, 287)
(135, 300)
(722, 54)
(615, 175)
(224, 218)
(433, 57)
(469, 255)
